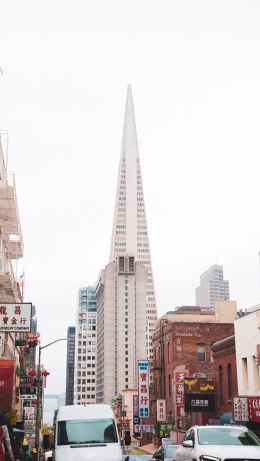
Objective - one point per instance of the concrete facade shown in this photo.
(85, 347)
(70, 366)
(121, 326)
(212, 287)
(247, 334)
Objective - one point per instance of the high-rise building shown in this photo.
(212, 287)
(85, 347)
(126, 304)
(70, 365)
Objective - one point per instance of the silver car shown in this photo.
(218, 443)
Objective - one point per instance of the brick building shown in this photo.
(225, 369)
(183, 348)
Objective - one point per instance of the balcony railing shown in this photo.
(9, 290)
(9, 217)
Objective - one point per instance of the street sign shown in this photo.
(25, 381)
(136, 420)
(29, 397)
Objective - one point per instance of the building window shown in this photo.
(169, 385)
(121, 264)
(229, 380)
(131, 264)
(244, 373)
(220, 377)
(201, 353)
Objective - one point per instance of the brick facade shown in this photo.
(224, 355)
(183, 346)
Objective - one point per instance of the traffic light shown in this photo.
(127, 438)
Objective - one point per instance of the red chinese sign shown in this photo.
(254, 409)
(7, 373)
(179, 397)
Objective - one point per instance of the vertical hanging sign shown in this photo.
(143, 388)
(161, 410)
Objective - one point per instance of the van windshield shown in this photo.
(87, 431)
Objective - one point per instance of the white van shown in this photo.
(86, 433)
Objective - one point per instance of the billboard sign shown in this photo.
(143, 388)
(15, 317)
(199, 402)
(7, 374)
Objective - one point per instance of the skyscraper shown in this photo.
(85, 347)
(126, 305)
(70, 366)
(212, 287)
(130, 231)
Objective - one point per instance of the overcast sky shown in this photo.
(194, 67)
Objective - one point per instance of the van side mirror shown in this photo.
(188, 444)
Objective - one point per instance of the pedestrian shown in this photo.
(5, 421)
(5, 444)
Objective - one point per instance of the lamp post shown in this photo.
(38, 396)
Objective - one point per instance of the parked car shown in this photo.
(165, 453)
(48, 456)
(138, 458)
(218, 443)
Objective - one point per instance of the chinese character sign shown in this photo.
(179, 397)
(240, 409)
(254, 409)
(143, 388)
(161, 410)
(15, 317)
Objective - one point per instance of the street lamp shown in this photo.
(38, 398)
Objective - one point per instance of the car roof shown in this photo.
(219, 426)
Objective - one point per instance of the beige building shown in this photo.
(247, 337)
(121, 326)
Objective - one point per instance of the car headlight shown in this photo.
(209, 458)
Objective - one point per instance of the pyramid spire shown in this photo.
(129, 141)
(130, 232)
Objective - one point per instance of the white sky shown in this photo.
(195, 72)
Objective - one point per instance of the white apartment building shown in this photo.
(212, 287)
(121, 326)
(85, 347)
(247, 337)
(117, 320)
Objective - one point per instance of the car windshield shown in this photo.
(170, 451)
(86, 431)
(226, 436)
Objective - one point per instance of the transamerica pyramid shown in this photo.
(130, 231)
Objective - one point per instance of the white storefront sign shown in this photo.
(240, 409)
(15, 317)
(143, 388)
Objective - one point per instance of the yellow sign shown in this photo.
(12, 417)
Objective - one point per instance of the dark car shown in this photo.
(165, 453)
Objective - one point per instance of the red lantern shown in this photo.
(32, 373)
(45, 373)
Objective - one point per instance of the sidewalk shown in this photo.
(150, 449)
